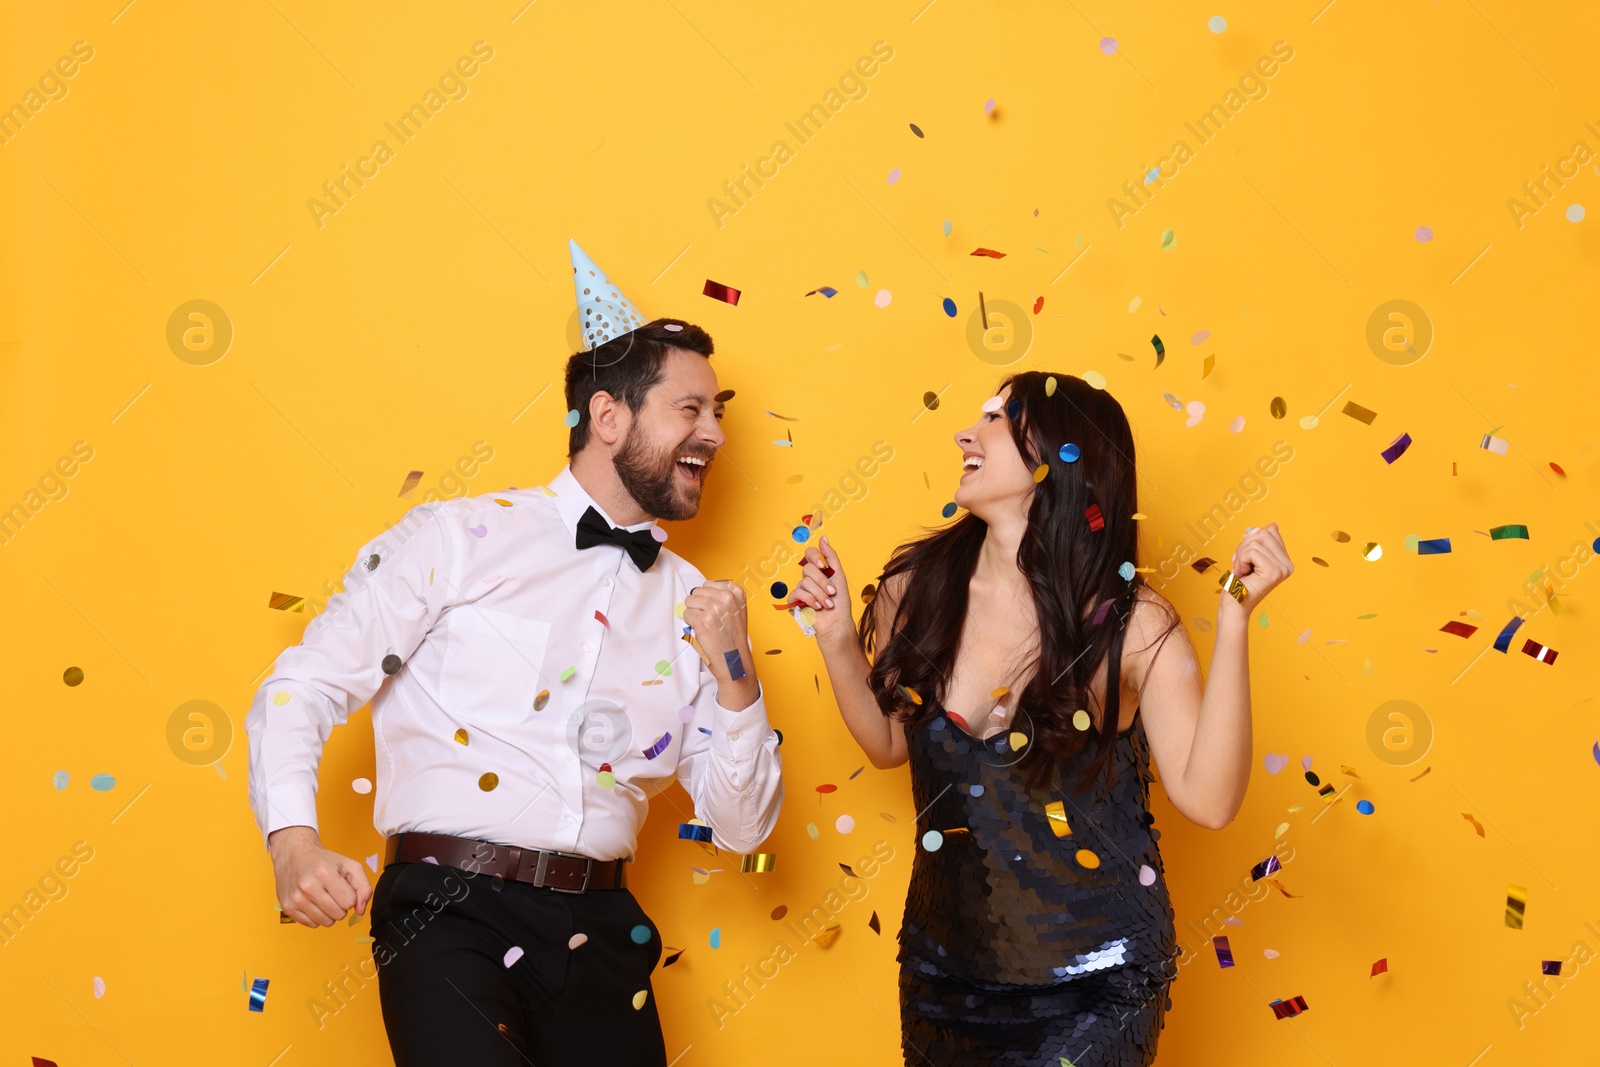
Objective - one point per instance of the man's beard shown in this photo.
(651, 478)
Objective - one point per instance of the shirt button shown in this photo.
(605, 581)
(588, 646)
(572, 818)
(733, 735)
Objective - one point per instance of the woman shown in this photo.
(1018, 655)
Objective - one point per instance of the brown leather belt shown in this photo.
(564, 872)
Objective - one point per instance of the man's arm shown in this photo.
(734, 774)
(393, 594)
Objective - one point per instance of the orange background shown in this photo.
(431, 312)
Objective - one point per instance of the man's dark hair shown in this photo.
(627, 367)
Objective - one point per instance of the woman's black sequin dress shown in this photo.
(1015, 947)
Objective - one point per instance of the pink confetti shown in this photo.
(1199, 337)
(894, 175)
(1108, 45)
(1424, 233)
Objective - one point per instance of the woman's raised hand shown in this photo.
(823, 588)
(1261, 562)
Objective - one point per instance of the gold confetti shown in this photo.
(1476, 825)
(1018, 740)
(758, 863)
(541, 700)
(1041, 472)
(1088, 859)
(488, 781)
(827, 935)
(280, 698)
(286, 602)
(1516, 905)
(410, 483)
(461, 736)
(1056, 811)
(639, 998)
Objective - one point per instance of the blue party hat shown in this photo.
(605, 312)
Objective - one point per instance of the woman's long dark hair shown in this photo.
(1068, 565)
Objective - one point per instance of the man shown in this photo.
(539, 666)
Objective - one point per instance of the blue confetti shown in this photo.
(258, 995)
(949, 307)
(780, 590)
(1364, 807)
(1503, 642)
(801, 534)
(947, 234)
(716, 937)
(735, 664)
(1155, 172)
(659, 747)
(688, 831)
(1126, 570)
(1069, 453)
(640, 934)
(62, 778)
(102, 782)
(948, 510)
(827, 290)
(1438, 546)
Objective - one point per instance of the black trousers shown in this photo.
(440, 938)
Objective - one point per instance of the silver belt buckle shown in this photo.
(542, 866)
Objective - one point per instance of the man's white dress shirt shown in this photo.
(522, 668)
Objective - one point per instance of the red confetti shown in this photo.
(1557, 468)
(1380, 967)
(1542, 653)
(827, 788)
(1038, 305)
(991, 253)
(725, 293)
(1096, 520)
(1286, 1009)
(603, 620)
(1460, 629)
(959, 720)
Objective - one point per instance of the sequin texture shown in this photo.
(1013, 949)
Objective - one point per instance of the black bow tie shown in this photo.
(593, 530)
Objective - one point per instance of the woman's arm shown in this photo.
(880, 737)
(1200, 737)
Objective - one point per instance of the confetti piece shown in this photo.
(1081, 720)
(1508, 533)
(362, 785)
(725, 293)
(1516, 905)
(1126, 571)
(1237, 425)
(1200, 337)
(640, 934)
(1278, 408)
(947, 227)
(1216, 24)
(1476, 825)
(1542, 653)
(991, 253)
(1423, 233)
(659, 747)
(988, 106)
(948, 510)
(571, 418)
(1364, 807)
(286, 602)
(61, 779)
(639, 998)
(258, 995)
(1275, 763)
(1437, 546)
(828, 292)
(72, 676)
(1168, 240)
(1234, 587)
(1087, 859)
(488, 781)
(1094, 379)
(1267, 866)
(949, 307)
(1497, 445)
(1270, 953)
(1224, 953)
(1056, 812)
(1161, 349)
(873, 922)
(716, 937)
(1503, 642)
(1372, 551)
(102, 783)
(894, 176)
(932, 840)
(513, 954)
(1096, 520)
(1069, 453)
(844, 824)
(1147, 874)
(758, 863)
(1196, 410)
(1397, 448)
(1038, 305)
(1108, 45)
(1286, 1009)
(915, 130)
(1359, 413)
